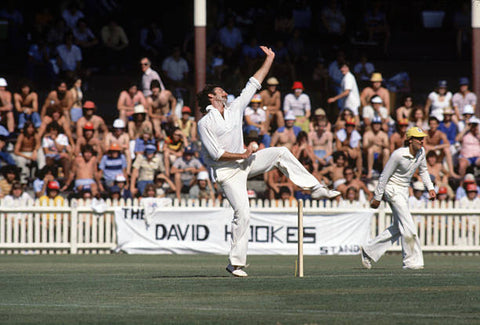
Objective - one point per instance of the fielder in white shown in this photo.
(393, 186)
(223, 149)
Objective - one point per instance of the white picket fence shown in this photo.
(77, 228)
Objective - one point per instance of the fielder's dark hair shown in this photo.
(202, 97)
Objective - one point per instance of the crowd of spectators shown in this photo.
(340, 119)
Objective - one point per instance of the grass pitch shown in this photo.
(194, 289)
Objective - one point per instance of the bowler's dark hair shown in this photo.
(202, 97)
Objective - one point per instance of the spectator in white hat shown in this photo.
(468, 112)
(120, 137)
(417, 200)
(470, 147)
(202, 189)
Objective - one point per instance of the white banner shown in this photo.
(207, 230)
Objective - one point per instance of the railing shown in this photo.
(88, 227)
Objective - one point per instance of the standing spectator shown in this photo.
(184, 170)
(128, 99)
(25, 152)
(256, 119)
(111, 165)
(69, 57)
(26, 105)
(470, 149)
(376, 89)
(6, 107)
(376, 146)
(336, 75)
(286, 136)
(144, 169)
(349, 141)
(120, 137)
(271, 98)
(202, 188)
(438, 99)
(148, 75)
(175, 69)
(349, 91)
(115, 42)
(462, 98)
(299, 104)
(99, 125)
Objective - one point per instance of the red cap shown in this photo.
(186, 109)
(442, 190)
(115, 147)
(88, 126)
(89, 104)
(297, 85)
(350, 121)
(53, 185)
(472, 187)
(403, 121)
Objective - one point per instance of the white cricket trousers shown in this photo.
(403, 226)
(234, 184)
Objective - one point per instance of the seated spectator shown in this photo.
(299, 104)
(128, 99)
(342, 118)
(417, 200)
(462, 188)
(376, 89)
(438, 173)
(321, 140)
(145, 138)
(111, 165)
(470, 147)
(17, 195)
(437, 100)
(53, 193)
(442, 195)
(121, 183)
(333, 174)
(185, 170)
(43, 177)
(76, 112)
(275, 181)
(163, 185)
(188, 125)
(7, 119)
(59, 97)
(398, 138)
(349, 141)
(161, 108)
(144, 169)
(26, 150)
(26, 105)
(88, 137)
(120, 137)
(376, 147)
(462, 98)
(99, 126)
(404, 112)
(149, 191)
(362, 192)
(56, 148)
(468, 112)
(5, 157)
(175, 145)
(271, 98)
(375, 109)
(287, 135)
(437, 140)
(417, 118)
(318, 117)
(84, 172)
(202, 189)
(55, 113)
(256, 119)
(10, 174)
(139, 123)
(471, 199)
(302, 150)
(114, 193)
(450, 128)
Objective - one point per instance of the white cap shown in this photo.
(118, 124)
(289, 116)
(138, 109)
(474, 119)
(418, 186)
(202, 176)
(377, 100)
(468, 109)
(120, 178)
(3, 82)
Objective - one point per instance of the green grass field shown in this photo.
(186, 289)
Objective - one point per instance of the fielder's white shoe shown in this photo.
(413, 267)
(320, 192)
(236, 271)
(366, 260)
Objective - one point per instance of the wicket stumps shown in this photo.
(299, 266)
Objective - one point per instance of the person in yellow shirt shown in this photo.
(53, 191)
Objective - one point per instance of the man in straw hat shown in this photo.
(376, 89)
(393, 185)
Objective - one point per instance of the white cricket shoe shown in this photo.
(366, 260)
(320, 192)
(236, 271)
(413, 267)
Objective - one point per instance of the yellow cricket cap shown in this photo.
(415, 132)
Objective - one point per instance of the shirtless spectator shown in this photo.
(438, 173)
(84, 172)
(25, 152)
(128, 99)
(271, 98)
(406, 109)
(303, 151)
(318, 117)
(364, 193)
(55, 113)
(26, 105)
(470, 150)
(161, 108)
(376, 146)
(88, 137)
(398, 138)
(376, 89)
(120, 137)
(438, 141)
(56, 148)
(333, 174)
(149, 75)
(89, 109)
(138, 123)
(349, 141)
(6, 107)
(275, 180)
(321, 140)
(60, 97)
(287, 135)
